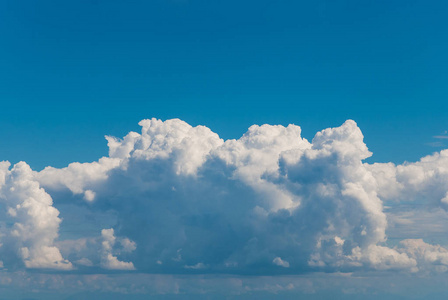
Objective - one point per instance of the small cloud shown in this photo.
(440, 138)
(84, 262)
(178, 257)
(197, 266)
(435, 144)
(89, 195)
(280, 262)
(128, 245)
(108, 260)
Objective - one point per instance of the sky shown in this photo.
(223, 149)
(73, 72)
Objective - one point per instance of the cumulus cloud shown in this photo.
(280, 262)
(422, 182)
(30, 223)
(429, 257)
(184, 200)
(108, 260)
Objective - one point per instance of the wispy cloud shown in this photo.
(435, 144)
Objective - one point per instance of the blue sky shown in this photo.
(169, 209)
(73, 72)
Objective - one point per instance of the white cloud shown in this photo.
(182, 196)
(280, 262)
(108, 260)
(197, 266)
(422, 182)
(429, 257)
(77, 177)
(89, 195)
(30, 222)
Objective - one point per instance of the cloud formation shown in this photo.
(29, 223)
(183, 200)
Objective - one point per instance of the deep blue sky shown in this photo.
(73, 71)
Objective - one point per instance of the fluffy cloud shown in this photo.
(422, 182)
(29, 221)
(340, 212)
(108, 260)
(429, 257)
(280, 262)
(180, 199)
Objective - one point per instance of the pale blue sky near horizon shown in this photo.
(72, 72)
